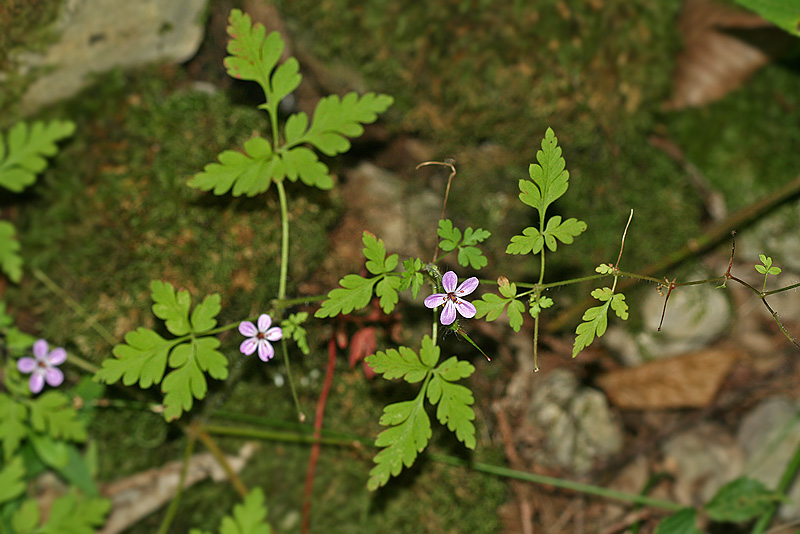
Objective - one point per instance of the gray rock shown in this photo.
(703, 460)
(99, 35)
(577, 426)
(695, 316)
(769, 435)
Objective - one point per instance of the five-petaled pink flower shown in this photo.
(259, 337)
(43, 366)
(452, 298)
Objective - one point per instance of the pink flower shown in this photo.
(43, 366)
(259, 337)
(452, 298)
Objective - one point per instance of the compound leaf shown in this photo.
(187, 380)
(10, 260)
(531, 241)
(172, 307)
(454, 408)
(12, 483)
(740, 500)
(402, 442)
(13, 424)
(403, 363)
(70, 515)
(683, 521)
(142, 358)
(565, 231)
(411, 276)
(204, 314)
(337, 119)
(355, 293)
(491, 306)
(450, 235)
(27, 148)
(250, 173)
(52, 414)
(595, 323)
(387, 291)
(292, 329)
(301, 162)
(249, 517)
(375, 253)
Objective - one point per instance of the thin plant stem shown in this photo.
(86, 365)
(282, 289)
(173, 505)
(284, 240)
(219, 456)
(304, 435)
(789, 474)
(76, 307)
(315, 448)
(447, 163)
(579, 487)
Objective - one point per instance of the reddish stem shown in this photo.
(315, 448)
(669, 292)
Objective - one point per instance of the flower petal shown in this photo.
(40, 349)
(468, 286)
(26, 365)
(449, 281)
(249, 346)
(264, 322)
(448, 313)
(246, 328)
(57, 357)
(465, 309)
(36, 383)
(437, 299)
(265, 350)
(274, 333)
(54, 376)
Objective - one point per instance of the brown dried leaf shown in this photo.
(687, 381)
(723, 47)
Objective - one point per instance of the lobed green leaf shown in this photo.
(52, 414)
(13, 424)
(450, 235)
(740, 500)
(681, 522)
(355, 293)
(204, 314)
(335, 120)
(403, 363)
(142, 358)
(10, 260)
(27, 148)
(187, 380)
(303, 163)
(411, 276)
(565, 231)
(375, 253)
(596, 321)
(292, 329)
(454, 408)
(172, 307)
(531, 241)
(387, 289)
(247, 174)
(71, 515)
(402, 441)
(12, 482)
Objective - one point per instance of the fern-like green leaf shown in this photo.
(335, 120)
(10, 260)
(254, 56)
(407, 436)
(171, 307)
(242, 174)
(70, 514)
(13, 424)
(411, 276)
(204, 314)
(403, 363)
(27, 148)
(596, 318)
(565, 231)
(355, 293)
(549, 178)
(142, 358)
(454, 408)
(375, 253)
(301, 162)
(292, 329)
(187, 380)
(531, 241)
(52, 414)
(491, 306)
(12, 483)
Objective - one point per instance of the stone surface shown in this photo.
(702, 460)
(578, 427)
(769, 435)
(99, 35)
(695, 316)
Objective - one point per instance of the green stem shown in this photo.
(789, 474)
(173, 506)
(272, 435)
(284, 240)
(557, 482)
(86, 365)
